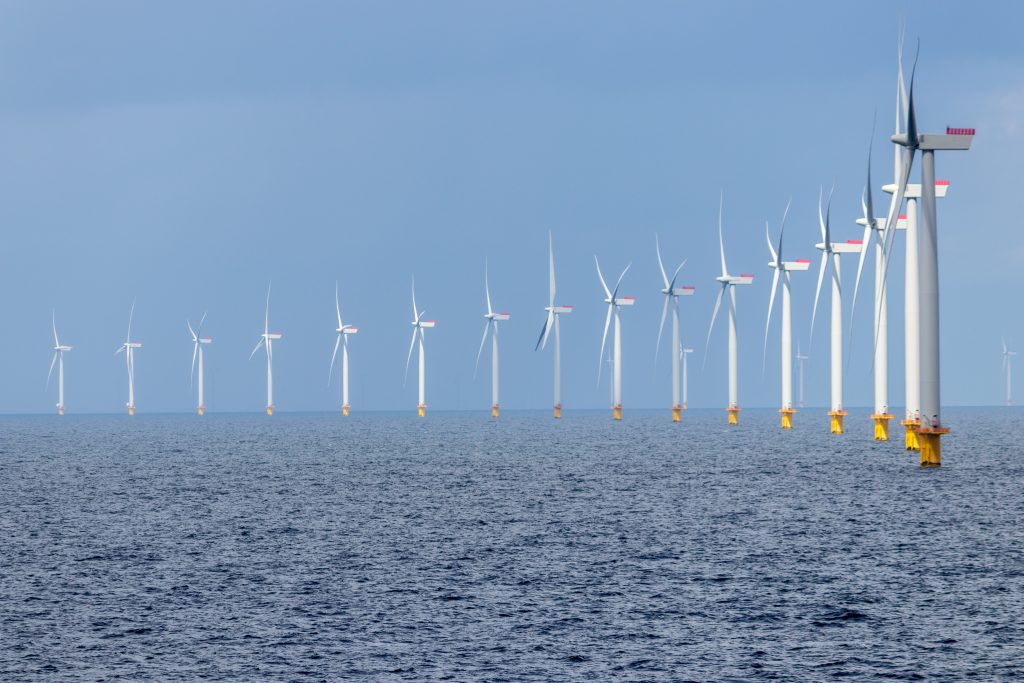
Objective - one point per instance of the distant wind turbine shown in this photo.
(418, 325)
(129, 356)
(198, 343)
(267, 340)
(491, 325)
(1008, 369)
(343, 331)
(615, 304)
(58, 357)
(552, 322)
(672, 294)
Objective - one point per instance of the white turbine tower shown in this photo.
(554, 313)
(783, 268)
(129, 356)
(197, 352)
(491, 325)
(1008, 369)
(343, 331)
(686, 351)
(58, 357)
(267, 340)
(672, 294)
(831, 251)
(728, 282)
(615, 304)
(931, 430)
(418, 325)
(800, 358)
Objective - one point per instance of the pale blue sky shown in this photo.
(185, 154)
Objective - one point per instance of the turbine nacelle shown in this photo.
(497, 316)
(744, 279)
(847, 247)
(798, 264)
(558, 310)
(133, 345)
(348, 329)
(272, 335)
(622, 301)
(914, 189)
(424, 323)
(61, 348)
(685, 290)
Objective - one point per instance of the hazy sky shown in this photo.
(185, 154)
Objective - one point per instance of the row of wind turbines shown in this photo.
(921, 420)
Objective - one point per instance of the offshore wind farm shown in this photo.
(652, 189)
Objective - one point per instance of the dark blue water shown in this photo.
(386, 547)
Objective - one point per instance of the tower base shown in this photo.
(836, 421)
(910, 440)
(677, 413)
(617, 412)
(930, 440)
(881, 426)
(734, 416)
(60, 410)
(421, 409)
(787, 417)
(558, 411)
(344, 410)
(270, 410)
(131, 410)
(201, 410)
(495, 410)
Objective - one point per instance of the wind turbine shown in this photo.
(197, 351)
(931, 430)
(418, 325)
(343, 331)
(783, 268)
(554, 312)
(129, 356)
(831, 251)
(728, 282)
(1008, 369)
(672, 294)
(800, 358)
(267, 340)
(685, 351)
(615, 304)
(491, 325)
(58, 357)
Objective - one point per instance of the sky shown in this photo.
(185, 155)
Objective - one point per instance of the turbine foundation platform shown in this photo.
(60, 410)
(930, 440)
(617, 412)
(344, 410)
(734, 415)
(787, 417)
(131, 410)
(270, 410)
(558, 411)
(836, 421)
(495, 410)
(421, 409)
(910, 440)
(201, 410)
(677, 413)
(881, 426)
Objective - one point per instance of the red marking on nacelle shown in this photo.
(564, 306)
(746, 275)
(959, 131)
(855, 241)
(689, 287)
(903, 216)
(942, 182)
(803, 260)
(631, 298)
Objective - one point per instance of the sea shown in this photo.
(311, 547)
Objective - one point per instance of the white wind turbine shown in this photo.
(672, 294)
(197, 352)
(267, 340)
(551, 322)
(615, 304)
(1008, 369)
(800, 358)
(129, 356)
(418, 325)
(491, 325)
(343, 331)
(728, 282)
(58, 357)
(783, 268)
(931, 430)
(831, 251)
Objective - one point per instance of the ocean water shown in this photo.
(384, 547)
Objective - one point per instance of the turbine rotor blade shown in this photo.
(487, 328)
(257, 348)
(412, 345)
(54, 362)
(337, 306)
(714, 316)
(661, 325)
(721, 240)
(551, 271)
(672, 285)
(487, 290)
(661, 264)
(604, 285)
(192, 372)
(542, 341)
(817, 294)
(768, 322)
(615, 292)
(604, 338)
